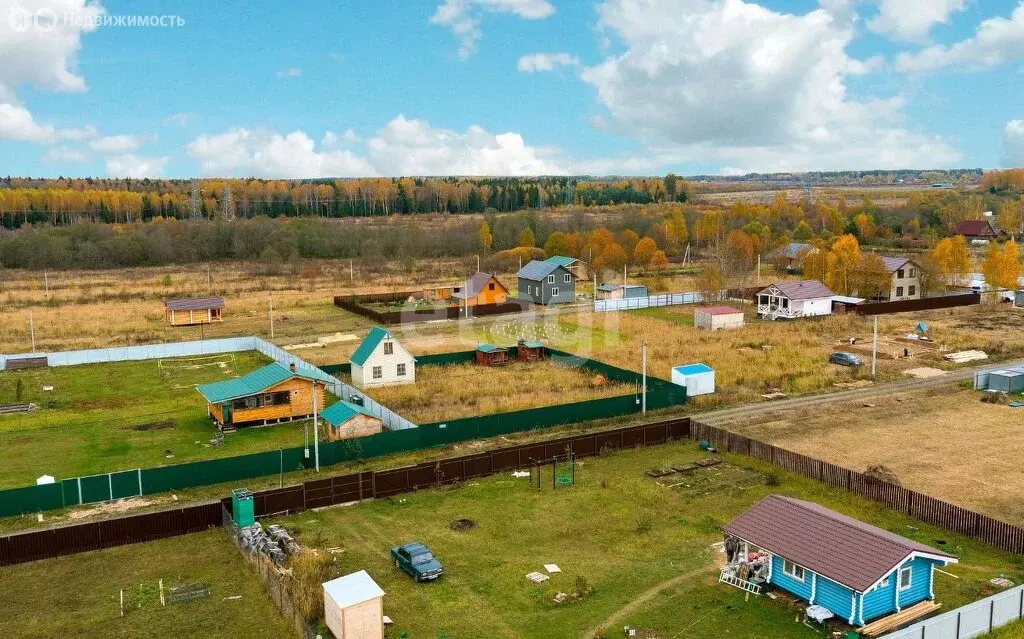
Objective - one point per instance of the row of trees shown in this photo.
(67, 201)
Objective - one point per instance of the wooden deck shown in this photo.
(899, 619)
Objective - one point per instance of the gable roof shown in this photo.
(353, 589)
(375, 337)
(475, 284)
(845, 550)
(562, 260)
(257, 381)
(792, 250)
(537, 270)
(531, 344)
(341, 411)
(976, 228)
(195, 303)
(803, 290)
(489, 348)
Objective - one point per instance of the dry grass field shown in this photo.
(468, 390)
(945, 443)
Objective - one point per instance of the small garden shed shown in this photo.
(1010, 380)
(529, 351)
(621, 291)
(856, 571)
(699, 379)
(491, 355)
(718, 317)
(189, 311)
(268, 395)
(354, 607)
(346, 420)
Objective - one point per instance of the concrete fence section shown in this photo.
(973, 620)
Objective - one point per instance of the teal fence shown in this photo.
(147, 481)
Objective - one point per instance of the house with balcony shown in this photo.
(792, 300)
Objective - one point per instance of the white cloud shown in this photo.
(1013, 144)
(414, 147)
(912, 20)
(117, 143)
(177, 119)
(402, 147)
(241, 151)
(332, 140)
(66, 154)
(462, 17)
(17, 123)
(997, 41)
(134, 166)
(546, 62)
(736, 83)
(292, 72)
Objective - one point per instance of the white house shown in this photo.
(789, 300)
(382, 361)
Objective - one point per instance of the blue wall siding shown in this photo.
(835, 597)
(880, 601)
(920, 582)
(801, 589)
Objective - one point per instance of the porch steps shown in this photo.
(900, 619)
(736, 582)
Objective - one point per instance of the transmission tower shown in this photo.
(570, 188)
(229, 213)
(197, 207)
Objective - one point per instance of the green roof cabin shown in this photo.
(382, 361)
(268, 395)
(491, 355)
(346, 420)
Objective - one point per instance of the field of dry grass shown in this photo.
(467, 390)
(946, 443)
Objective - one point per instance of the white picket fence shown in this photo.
(392, 420)
(972, 620)
(633, 303)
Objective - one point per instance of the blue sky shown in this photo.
(449, 86)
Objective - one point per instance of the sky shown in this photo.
(154, 88)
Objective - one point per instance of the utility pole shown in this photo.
(271, 316)
(874, 349)
(32, 329)
(351, 274)
(46, 282)
(759, 268)
(316, 434)
(643, 367)
(477, 263)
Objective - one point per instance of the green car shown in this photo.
(416, 559)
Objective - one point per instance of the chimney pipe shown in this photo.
(291, 367)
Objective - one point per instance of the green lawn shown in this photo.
(79, 595)
(106, 417)
(642, 551)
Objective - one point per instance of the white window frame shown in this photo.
(377, 372)
(909, 571)
(551, 279)
(883, 584)
(389, 348)
(567, 276)
(790, 569)
(554, 292)
(400, 369)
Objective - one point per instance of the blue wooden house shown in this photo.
(855, 570)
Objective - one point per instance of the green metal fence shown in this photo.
(99, 488)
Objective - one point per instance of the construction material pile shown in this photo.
(274, 542)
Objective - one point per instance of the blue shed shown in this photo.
(855, 570)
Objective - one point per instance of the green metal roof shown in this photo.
(256, 382)
(376, 336)
(341, 411)
(533, 344)
(489, 348)
(561, 260)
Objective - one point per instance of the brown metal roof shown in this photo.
(831, 544)
(475, 284)
(803, 290)
(894, 264)
(195, 303)
(975, 228)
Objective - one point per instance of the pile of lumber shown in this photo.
(900, 619)
(12, 409)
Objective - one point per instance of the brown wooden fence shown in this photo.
(408, 316)
(923, 304)
(342, 489)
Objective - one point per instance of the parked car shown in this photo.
(417, 560)
(845, 359)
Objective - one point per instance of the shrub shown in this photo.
(644, 524)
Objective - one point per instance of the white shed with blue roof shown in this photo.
(699, 379)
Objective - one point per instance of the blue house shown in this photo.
(855, 570)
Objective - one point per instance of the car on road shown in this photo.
(845, 359)
(417, 560)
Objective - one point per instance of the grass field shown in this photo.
(123, 415)
(467, 390)
(945, 443)
(638, 551)
(79, 595)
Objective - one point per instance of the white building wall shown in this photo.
(719, 322)
(362, 376)
(821, 306)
